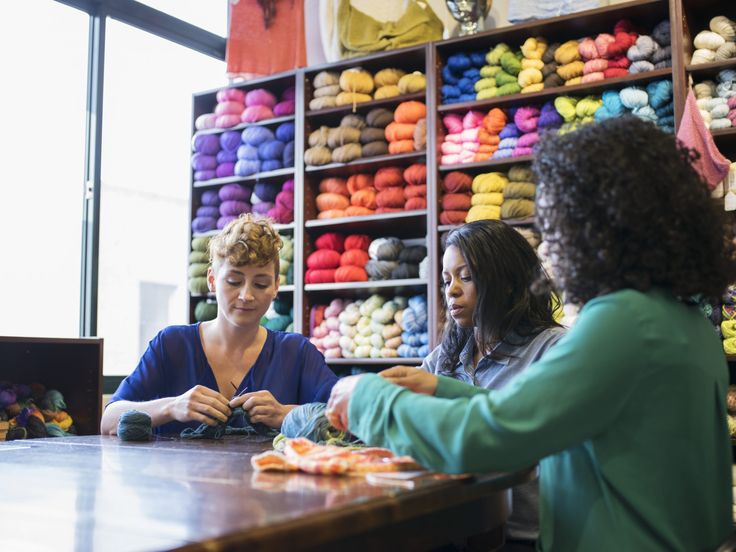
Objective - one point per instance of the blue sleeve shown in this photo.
(317, 379)
(147, 380)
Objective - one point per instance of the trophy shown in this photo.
(469, 13)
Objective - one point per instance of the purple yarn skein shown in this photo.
(286, 107)
(200, 176)
(227, 157)
(262, 208)
(285, 132)
(223, 221)
(230, 140)
(225, 169)
(273, 149)
(210, 198)
(202, 162)
(234, 208)
(288, 157)
(266, 192)
(248, 152)
(246, 167)
(209, 144)
(271, 165)
(204, 224)
(234, 192)
(208, 211)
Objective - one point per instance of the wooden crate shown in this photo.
(72, 366)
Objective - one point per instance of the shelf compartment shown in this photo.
(243, 126)
(490, 165)
(364, 107)
(374, 286)
(549, 93)
(408, 221)
(372, 361)
(366, 163)
(278, 173)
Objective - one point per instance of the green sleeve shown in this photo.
(574, 392)
(450, 388)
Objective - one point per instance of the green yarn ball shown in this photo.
(198, 257)
(197, 270)
(198, 286)
(200, 244)
(205, 310)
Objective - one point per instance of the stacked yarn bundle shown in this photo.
(413, 322)
(227, 157)
(407, 132)
(275, 201)
(204, 159)
(280, 316)
(207, 213)
(459, 76)
(530, 78)
(229, 108)
(728, 320)
(233, 203)
(358, 329)
(415, 190)
(473, 137)
(487, 197)
(353, 259)
(259, 104)
(717, 102)
(32, 412)
(339, 145)
(198, 262)
(570, 65)
(373, 135)
(654, 104)
(338, 258)
(651, 52)
(286, 261)
(576, 111)
(716, 44)
(518, 193)
(456, 197)
(264, 150)
(355, 85)
(390, 259)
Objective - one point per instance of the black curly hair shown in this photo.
(622, 208)
(503, 267)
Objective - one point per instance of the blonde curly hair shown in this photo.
(247, 240)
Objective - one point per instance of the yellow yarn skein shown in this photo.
(388, 76)
(494, 198)
(532, 64)
(534, 48)
(567, 52)
(494, 56)
(533, 88)
(412, 83)
(386, 91)
(489, 71)
(483, 212)
(347, 98)
(588, 106)
(487, 93)
(484, 83)
(356, 80)
(571, 70)
(565, 106)
(489, 182)
(530, 76)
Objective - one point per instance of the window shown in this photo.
(210, 15)
(42, 145)
(144, 216)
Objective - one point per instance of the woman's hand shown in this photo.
(262, 407)
(200, 404)
(414, 379)
(337, 406)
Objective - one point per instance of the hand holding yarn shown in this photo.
(262, 407)
(200, 404)
(413, 379)
(337, 406)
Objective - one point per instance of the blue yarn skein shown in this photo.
(273, 149)
(448, 77)
(473, 74)
(248, 152)
(288, 157)
(256, 135)
(247, 167)
(458, 62)
(135, 425)
(271, 165)
(478, 59)
(660, 93)
(450, 91)
(265, 191)
(285, 132)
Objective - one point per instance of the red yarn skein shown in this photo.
(351, 274)
(387, 177)
(323, 258)
(416, 174)
(457, 181)
(357, 241)
(359, 181)
(354, 257)
(391, 197)
(331, 240)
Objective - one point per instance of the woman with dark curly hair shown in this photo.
(626, 414)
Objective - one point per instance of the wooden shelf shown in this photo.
(490, 165)
(366, 162)
(529, 221)
(548, 93)
(709, 70)
(370, 286)
(407, 220)
(731, 358)
(372, 361)
(278, 173)
(242, 126)
(365, 106)
(724, 132)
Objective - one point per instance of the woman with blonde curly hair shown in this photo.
(190, 374)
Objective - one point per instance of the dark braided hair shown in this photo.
(621, 207)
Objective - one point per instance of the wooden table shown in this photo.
(98, 493)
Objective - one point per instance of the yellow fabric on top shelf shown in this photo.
(361, 34)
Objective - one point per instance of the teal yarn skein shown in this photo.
(135, 425)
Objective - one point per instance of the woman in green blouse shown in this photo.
(626, 415)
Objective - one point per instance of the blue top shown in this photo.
(288, 366)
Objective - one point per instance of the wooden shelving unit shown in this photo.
(430, 58)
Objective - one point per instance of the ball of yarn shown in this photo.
(391, 197)
(415, 190)
(398, 131)
(385, 249)
(210, 197)
(357, 241)
(359, 181)
(342, 135)
(323, 258)
(456, 202)
(334, 185)
(347, 98)
(205, 121)
(380, 270)
(285, 132)
(354, 257)
(230, 95)
(703, 55)
(248, 152)
(326, 78)
(327, 201)
(287, 107)
(389, 91)
(708, 39)
(726, 51)
(272, 149)
(232, 208)
(256, 113)
(331, 90)
(567, 52)
(256, 135)
(371, 134)
(229, 141)
(325, 102)
(202, 162)
(347, 153)
(456, 181)
(356, 80)
(234, 192)
(330, 240)
(351, 273)
(724, 27)
(412, 254)
(229, 108)
(204, 310)
(372, 149)
(134, 425)
(412, 83)
(410, 112)
(208, 144)
(379, 117)
(260, 96)
(388, 76)
(387, 177)
(208, 211)
(415, 174)
(364, 198)
(246, 167)
(633, 97)
(319, 276)
(318, 155)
